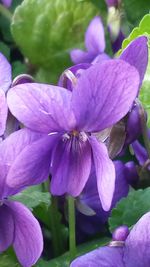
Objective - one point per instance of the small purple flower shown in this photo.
(18, 227)
(102, 96)
(94, 43)
(8, 123)
(133, 251)
(7, 3)
(91, 217)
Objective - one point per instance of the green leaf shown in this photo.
(130, 209)
(47, 30)
(33, 197)
(8, 259)
(63, 261)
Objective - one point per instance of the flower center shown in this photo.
(81, 136)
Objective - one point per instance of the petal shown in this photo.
(6, 228)
(76, 70)
(121, 184)
(95, 36)
(140, 152)
(100, 58)
(3, 112)
(105, 173)
(104, 94)
(71, 166)
(41, 107)
(137, 244)
(28, 240)
(7, 3)
(32, 165)
(80, 56)
(9, 150)
(5, 73)
(136, 54)
(101, 257)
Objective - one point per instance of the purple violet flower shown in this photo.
(102, 95)
(18, 227)
(8, 123)
(7, 3)
(94, 43)
(91, 217)
(133, 251)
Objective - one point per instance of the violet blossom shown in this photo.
(8, 123)
(94, 43)
(102, 95)
(91, 217)
(126, 249)
(18, 227)
(7, 3)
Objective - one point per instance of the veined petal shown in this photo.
(70, 167)
(80, 56)
(28, 240)
(137, 244)
(10, 148)
(136, 54)
(104, 94)
(5, 73)
(95, 36)
(3, 112)
(101, 257)
(32, 165)
(6, 228)
(40, 107)
(105, 172)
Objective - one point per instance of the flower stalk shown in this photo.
(72, 236)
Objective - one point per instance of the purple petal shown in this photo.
(28, 240)
(7, 3)
(101, 257)
(5, 72)
(100, 58)
(76, 70)
(71, 166)
(104, 94)
(80, 56)
(32, 165)
(136, 54)
(9, 150)
(3, 112)
(137, 245)
(140, 152)
(116, 44)
(105, 173)
(95, 37)
(41, 107)
(6, 228)
(121, 184)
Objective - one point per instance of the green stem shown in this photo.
(144, 129)
(5, 12)
(72, 237)
(57, 241)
